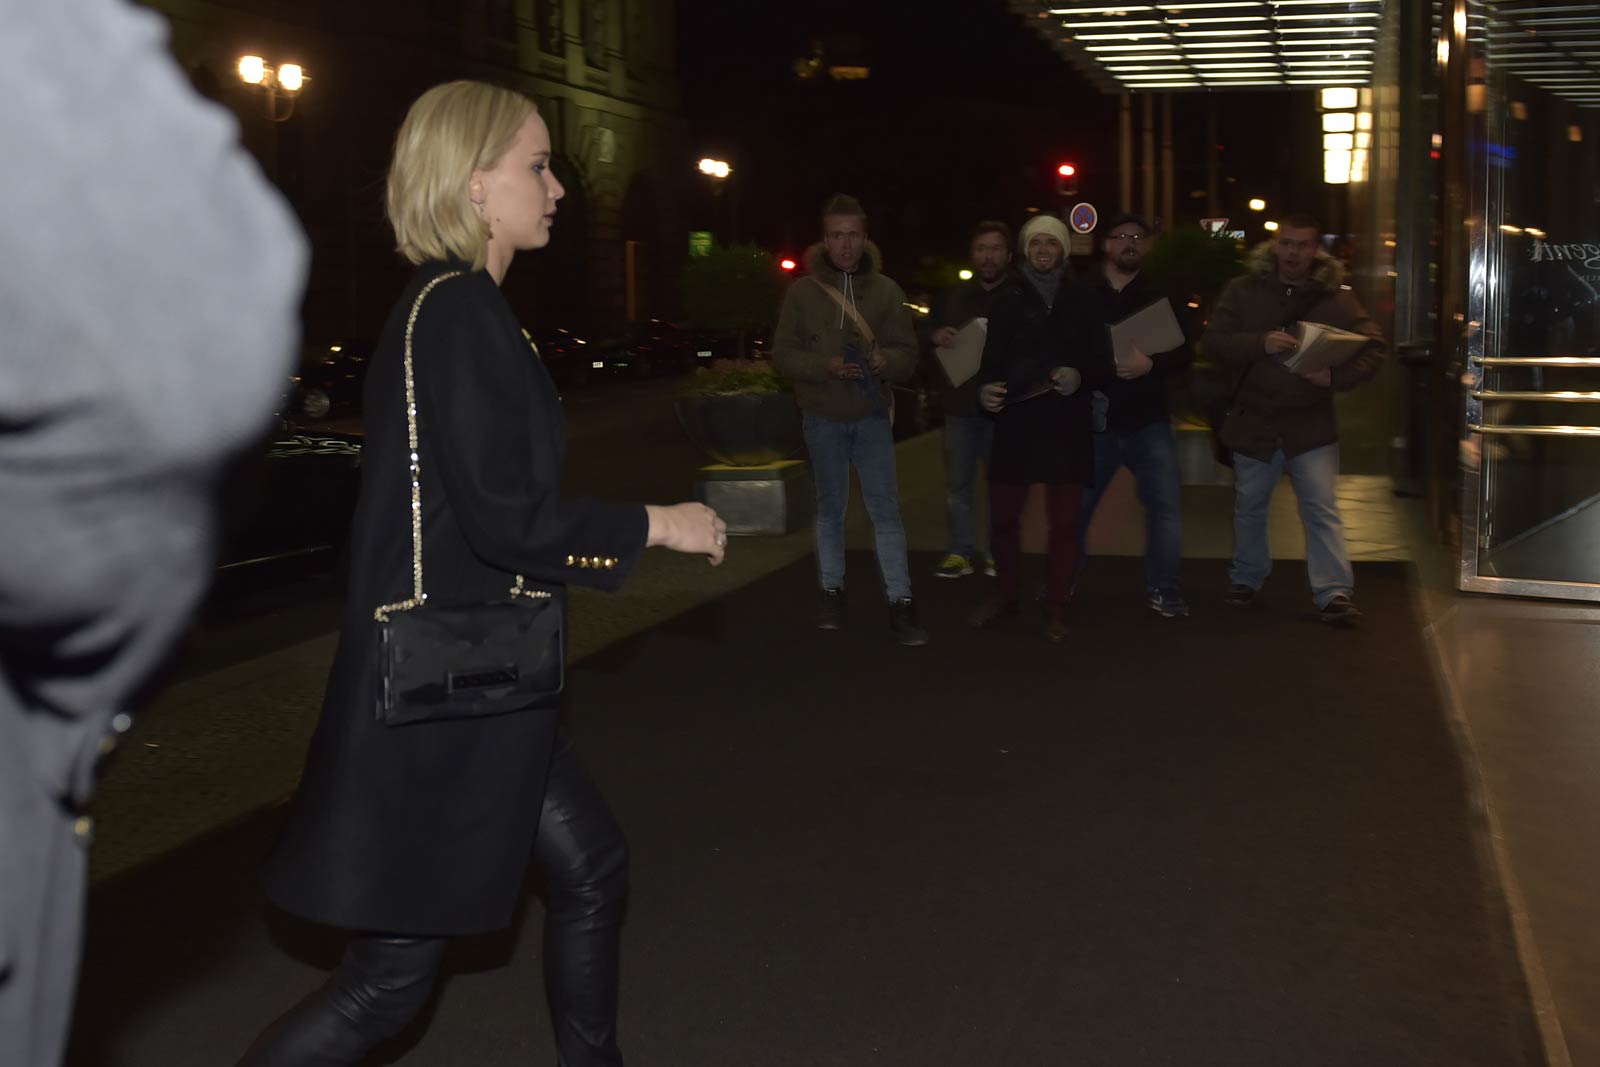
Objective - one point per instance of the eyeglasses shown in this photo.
(1126, 237)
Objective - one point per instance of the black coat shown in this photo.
(1137, 402)
(428, 828)
(1051, 437)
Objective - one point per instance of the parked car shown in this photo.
(656, 346)
(329, 382)
(724, 344)
(287, 506)
(573, 361)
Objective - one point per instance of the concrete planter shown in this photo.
(746, 430)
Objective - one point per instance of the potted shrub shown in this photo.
(742, 413)
(739, 411)
(732, 290)
(1193, 265)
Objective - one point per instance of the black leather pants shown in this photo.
(383, 982)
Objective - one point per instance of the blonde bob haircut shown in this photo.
(452, 130)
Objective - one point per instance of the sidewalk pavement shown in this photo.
(1518, 677)
(217, 747)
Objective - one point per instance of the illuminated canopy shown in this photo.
(1555, 46)
(1211, 44)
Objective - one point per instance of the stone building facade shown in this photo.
(604, 75)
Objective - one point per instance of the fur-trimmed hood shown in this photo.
(1326, 271)
(816, 260)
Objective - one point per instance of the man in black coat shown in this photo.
(1042, 349)
(968, 432)
(1132, 426)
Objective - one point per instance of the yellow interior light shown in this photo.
(1338, 98)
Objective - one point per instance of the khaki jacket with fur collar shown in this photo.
(813, 329)
(1276, 408)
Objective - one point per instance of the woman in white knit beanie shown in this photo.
(1043, 350)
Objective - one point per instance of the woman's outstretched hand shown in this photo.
(691, 528)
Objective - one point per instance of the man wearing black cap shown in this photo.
(1132, 426)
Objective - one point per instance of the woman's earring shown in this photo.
(479, 205)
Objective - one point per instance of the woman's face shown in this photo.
(1045, 252)
(519, 192)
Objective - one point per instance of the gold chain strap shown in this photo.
(418, 597)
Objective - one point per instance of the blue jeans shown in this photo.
(868, 446)
(1151, 453)
(1315, 476)
(968, 440)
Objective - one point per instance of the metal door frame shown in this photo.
(1479, 329)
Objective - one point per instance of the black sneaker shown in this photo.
(1240, 596)
(830, 610)
(903, 623)
(1341, 611)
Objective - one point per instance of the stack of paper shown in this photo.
(1323, 346)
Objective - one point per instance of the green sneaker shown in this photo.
(988, 564)
(953, 566)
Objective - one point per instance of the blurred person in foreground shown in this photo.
(844, 334)
(968, 432)
(1133, 428)
(1042, 355)
(1280, 420)
(408, 835)
(149, 259)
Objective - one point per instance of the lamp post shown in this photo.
(1258, 204)
(280, 85)
(718, 171)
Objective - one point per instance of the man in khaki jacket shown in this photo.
(843, 335)
(1282, 420)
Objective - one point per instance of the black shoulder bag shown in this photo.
(462, 661)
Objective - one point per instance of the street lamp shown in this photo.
(1258, 205)
(1270, 226)
(718, 171)
(280, 83)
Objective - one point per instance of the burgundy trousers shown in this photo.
(1064, 504)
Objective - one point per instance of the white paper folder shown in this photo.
(961, 357)
(1153, 330)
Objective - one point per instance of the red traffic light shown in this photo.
(787, 264)
(1066, 170)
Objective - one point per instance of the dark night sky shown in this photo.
(965, 117)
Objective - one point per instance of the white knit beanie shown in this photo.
(1045, 224)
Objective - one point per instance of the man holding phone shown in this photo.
(844, 334)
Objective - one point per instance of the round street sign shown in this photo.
(1084, 218)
